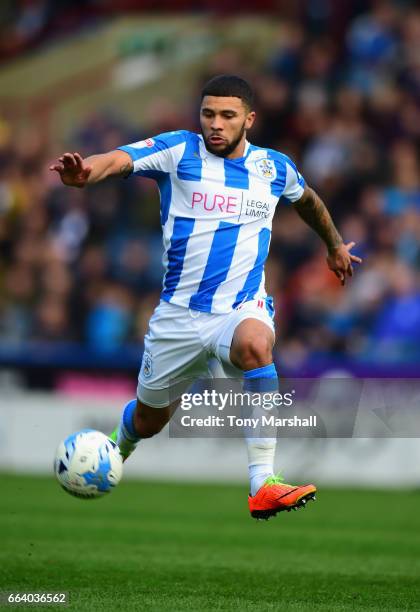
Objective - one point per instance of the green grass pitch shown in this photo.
(177, 547)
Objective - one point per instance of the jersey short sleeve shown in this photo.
(158, 154)
(295, 183)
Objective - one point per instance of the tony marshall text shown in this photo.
(252, 422)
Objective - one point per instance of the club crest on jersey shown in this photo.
(147, 365)
(266, 168)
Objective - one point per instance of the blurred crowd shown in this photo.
(85, 265)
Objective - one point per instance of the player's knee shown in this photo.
(254, 352)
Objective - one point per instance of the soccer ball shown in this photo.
(88, 464)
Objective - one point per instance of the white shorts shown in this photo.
(180, 342)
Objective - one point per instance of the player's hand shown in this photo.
(340, 261)
(72, 170)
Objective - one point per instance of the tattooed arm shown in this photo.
(313, 211)
(75, 171)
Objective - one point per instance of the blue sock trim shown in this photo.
(261, 379)
(127, 418)
(268, 371)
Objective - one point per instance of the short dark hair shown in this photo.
(229, 85)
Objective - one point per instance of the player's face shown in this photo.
(224, 122)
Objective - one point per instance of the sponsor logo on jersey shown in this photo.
(149, 142)
(218, 202)
(257, 208)
(266, 169)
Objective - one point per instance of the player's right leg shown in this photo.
(140, 421)
(173, 358)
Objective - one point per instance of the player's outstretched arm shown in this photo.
(75, 171)
(313, 211)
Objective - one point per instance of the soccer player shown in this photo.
(218, 196)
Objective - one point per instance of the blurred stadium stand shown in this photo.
(338, 89)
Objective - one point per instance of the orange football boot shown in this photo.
(275, 496)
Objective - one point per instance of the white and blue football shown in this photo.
(88, 464)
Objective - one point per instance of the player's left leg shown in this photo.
(251, 352)
(244, 347)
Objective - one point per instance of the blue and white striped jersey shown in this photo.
(216, 216)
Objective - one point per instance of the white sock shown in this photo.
(261, 382)
(261, 453)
